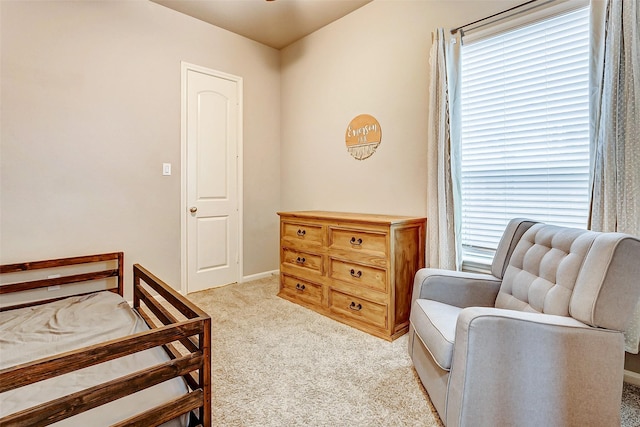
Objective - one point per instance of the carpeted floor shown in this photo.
(278, 364)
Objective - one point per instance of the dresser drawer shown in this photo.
(358, 240)
(301, 289)
(358, 309)
(308, 261)
(302, 234)
(358, 274)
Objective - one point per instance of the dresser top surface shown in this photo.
(350, 216)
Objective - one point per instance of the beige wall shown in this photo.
(90, 111)
(90, 96)
(374, 61)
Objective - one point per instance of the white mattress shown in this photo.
(30, 333)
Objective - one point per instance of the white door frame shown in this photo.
(185, 66)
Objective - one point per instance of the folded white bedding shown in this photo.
(31, 333)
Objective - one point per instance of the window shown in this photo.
(525, 130)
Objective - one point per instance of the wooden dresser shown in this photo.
(355, 268)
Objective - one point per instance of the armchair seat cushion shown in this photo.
(435, 324)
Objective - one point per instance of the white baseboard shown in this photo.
(260, 275)
(632, 378)
(243, 279)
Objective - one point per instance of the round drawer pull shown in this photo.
(301, 233)
(300, 260)
(300, 287)
(355, 274)
(355, 307)
(355, 242)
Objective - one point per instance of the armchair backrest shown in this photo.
(593, 277)
(510, 238)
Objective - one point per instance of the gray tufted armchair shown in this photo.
(539, 342)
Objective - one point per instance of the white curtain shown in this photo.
(443, 229)
(615, 125)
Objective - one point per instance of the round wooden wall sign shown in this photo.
(363, 136)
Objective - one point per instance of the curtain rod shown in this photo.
(455, 30)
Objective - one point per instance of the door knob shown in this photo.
(193, 209)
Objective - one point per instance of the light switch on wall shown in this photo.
(166, 169)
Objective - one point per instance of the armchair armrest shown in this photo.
(457, 288)
(519, 368)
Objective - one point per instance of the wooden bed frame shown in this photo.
(176, 324)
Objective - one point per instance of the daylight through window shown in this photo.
(525, 129)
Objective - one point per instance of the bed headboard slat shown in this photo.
(61, 280)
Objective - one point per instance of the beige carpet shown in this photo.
(278, 364)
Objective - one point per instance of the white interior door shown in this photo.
(212, 213)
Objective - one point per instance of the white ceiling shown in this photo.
(275, 23)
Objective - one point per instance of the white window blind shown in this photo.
(525, 129)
